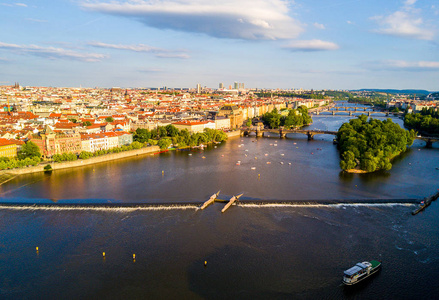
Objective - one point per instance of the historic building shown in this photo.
(7, 148)
(234, 113)
(51, 142)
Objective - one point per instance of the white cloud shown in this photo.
(311, 45)
(401, 65)
(16, 4)
(52, 52)
(319, 26)
(350, 22)
(237, 19)
(405, 22)
(159, 52)
(410, 2)
(150, 70)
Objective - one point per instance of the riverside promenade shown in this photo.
(84, 162)
(93, 160)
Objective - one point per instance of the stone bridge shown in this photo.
(429, 140)
(259, 131)
(352, 110)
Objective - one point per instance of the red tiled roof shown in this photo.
(5, 142)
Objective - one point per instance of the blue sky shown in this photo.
(308, 44)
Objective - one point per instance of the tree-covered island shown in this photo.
(368, 146)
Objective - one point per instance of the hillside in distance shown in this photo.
(393, 91)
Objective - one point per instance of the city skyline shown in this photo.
(265, 44)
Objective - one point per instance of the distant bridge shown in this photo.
(260, 131)
(352, 110)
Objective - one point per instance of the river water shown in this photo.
(300, 223)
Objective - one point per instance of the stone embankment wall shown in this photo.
(85, 162)
(233, 133)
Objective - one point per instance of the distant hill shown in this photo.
(390, 91)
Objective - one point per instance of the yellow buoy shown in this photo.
(134, 256)
(205, 263)
(163, 172)
(103, 254)
(37, 248)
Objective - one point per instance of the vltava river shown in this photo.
(269, 246)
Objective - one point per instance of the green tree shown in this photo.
(85, 155)
(136, 145)
(370, 145)
(86, 123)
(142, 135)
(109, 119)
(161, 132)
(171, 130)
(164, 143)
(29, 150)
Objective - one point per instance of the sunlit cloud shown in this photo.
(52, 52)
(13, 4)
(311, 45)
(405, 22)
(150, 70)
(158, 52)
(236, 19)
(319, 26)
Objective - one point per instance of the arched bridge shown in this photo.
(259, 131)
(352, 110)
(282, 132)
(429, 140)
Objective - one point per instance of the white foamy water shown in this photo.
(337, 205)
(97, 208)
(193, 206)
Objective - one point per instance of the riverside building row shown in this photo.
(61, 120)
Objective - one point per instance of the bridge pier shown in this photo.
(258, 133)
(281, 134)
(333, 113)
(429, 144)
(368, 113)
(350, 113)
(310, 136)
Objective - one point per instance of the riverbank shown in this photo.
(94, 160)
(84, 162)
(233, 133)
